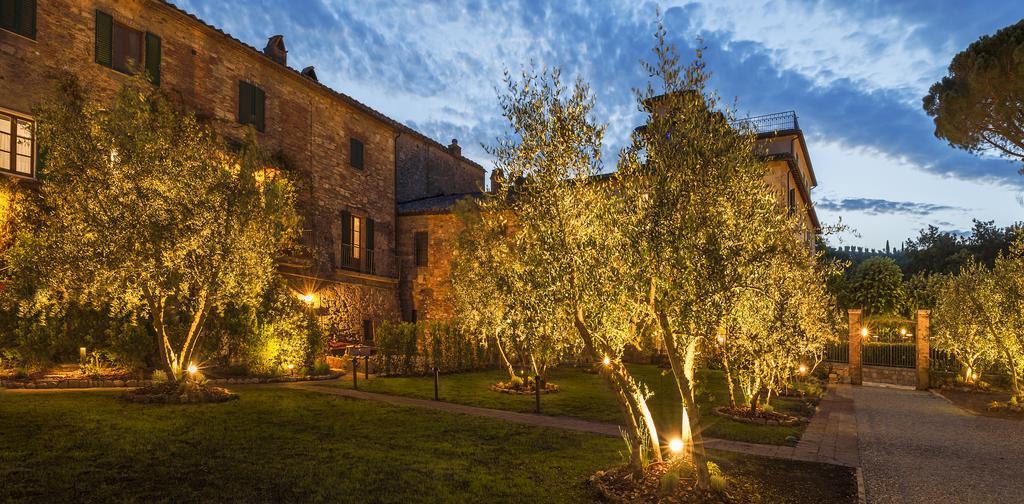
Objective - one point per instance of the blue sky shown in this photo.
(854, 72)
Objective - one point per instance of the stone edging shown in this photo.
(84, 384)
(789, 422)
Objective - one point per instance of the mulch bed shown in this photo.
(183, 393)
(618, 486)
(984, 403)
(759, 417)
(549, 388)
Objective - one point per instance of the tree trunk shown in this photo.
(683, 372)
(628, 406)
(504, 357)
(639, 407)
(728, 379)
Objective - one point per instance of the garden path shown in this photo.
(917, 447)
(831, 436)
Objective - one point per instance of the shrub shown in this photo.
(320, 368)
(718, 481)
(159, 377)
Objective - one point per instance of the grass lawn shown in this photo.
(276, 445)
(586, 396)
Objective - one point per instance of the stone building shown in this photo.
(343, 153)
(376, 197)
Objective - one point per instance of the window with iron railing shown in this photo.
(357, 243)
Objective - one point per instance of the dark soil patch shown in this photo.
(179, 393)
(979, 403)
(748, 479)
(760, 417)
(524, 388)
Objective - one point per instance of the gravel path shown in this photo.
(916, 447)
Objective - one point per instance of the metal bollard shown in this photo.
(355, 373)
(536, 387)
(437, 375)
(366, 369)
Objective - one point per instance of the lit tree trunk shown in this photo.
(630, 401)
(683, 372)
(728, 378)
(504, 357)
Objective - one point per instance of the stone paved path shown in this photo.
(831, 446)
(916, 447)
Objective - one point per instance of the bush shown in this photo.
(320, 368)
(159, 377)
(405, 348)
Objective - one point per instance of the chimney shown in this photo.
(276, 50)
(497, 177)
(454, 148)
(310, 72)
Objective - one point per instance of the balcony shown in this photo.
(356, 258)
(769, 123)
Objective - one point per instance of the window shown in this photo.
(19, 16)
(125, 49)
(356, 242)
(421, 239)
(251, 105)
(356, 236)
(355, 153)
(17, 145)
(368, 331)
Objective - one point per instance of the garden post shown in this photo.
(921, 335)
(366, 366)
(856, 324)
(355, 373)
(536, 387)
(437, 376)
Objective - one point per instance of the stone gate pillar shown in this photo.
(856, 325)
(921, 332)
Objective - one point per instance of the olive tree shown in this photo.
(977, 106)
(557, 220)
(145, 208)
(957, 324)
(701, 218)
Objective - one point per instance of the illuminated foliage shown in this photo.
(144, 208)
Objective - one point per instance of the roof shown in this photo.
(358, 105)
(442, 203)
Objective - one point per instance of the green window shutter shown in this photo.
(259, 100)
(244, 102)
(346, 237)
(8, 16)
(369, 233)
(104, 37)
(153, 57)
(27, 18)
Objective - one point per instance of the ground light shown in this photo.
(307, 298)
(192, 369)
(802, 369)
(864, 332)
(675, 445)
(607, 361)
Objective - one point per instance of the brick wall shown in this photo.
(426, 168)
(307, 125)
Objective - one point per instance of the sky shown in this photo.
(854, 72)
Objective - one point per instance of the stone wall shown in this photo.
(426, 289)
(307, 124)
(425, 169)
(308, 127)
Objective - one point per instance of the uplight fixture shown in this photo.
(675, 445)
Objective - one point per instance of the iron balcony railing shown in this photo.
(358, 259)
(779, 121)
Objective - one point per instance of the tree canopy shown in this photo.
(977, 106)
(146, 210)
